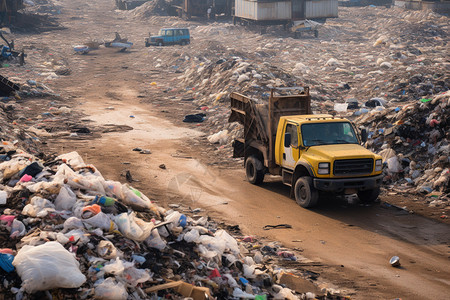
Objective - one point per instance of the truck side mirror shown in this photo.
(287, 139)
(363, 135)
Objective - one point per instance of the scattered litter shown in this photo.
(395, 261)
(279, 226)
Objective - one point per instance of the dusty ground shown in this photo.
(348, 245)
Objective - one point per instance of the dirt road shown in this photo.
(351, 244)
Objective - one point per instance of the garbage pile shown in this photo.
(414, 142)
(210, 82)
(150, 8)
(42, 7)
(63, 226)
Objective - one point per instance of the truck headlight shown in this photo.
(378, 165)
(324, 168)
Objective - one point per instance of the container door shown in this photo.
(291, 150)
(298, 9)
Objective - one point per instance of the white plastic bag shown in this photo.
(65, 199)
(38, 207)
(135, 198)
(135, 276)
(114, 189)
(115, 267)
(46, 267)
(340, 107)
(192, 236)
(394, 165)
(17, 229)
(73, 223)
(73, 159)
(220, 137)
(133, 228)
(155, 241)
(100, 220)
(230, 242)
(110, 289)
(90, 182)
(107, 250)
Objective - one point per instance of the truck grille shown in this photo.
(353, 166)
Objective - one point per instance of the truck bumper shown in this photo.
(339, 185)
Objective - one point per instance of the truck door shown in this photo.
(170, 36)
(291, 150)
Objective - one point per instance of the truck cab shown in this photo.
(169, 36)
(324, 153)
(311, 152)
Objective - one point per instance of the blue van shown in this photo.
(169, 36)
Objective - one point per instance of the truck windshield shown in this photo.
(161, 32)
(315, 134)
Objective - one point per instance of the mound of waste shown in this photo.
(68, 232)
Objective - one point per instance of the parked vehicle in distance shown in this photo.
(169, 36)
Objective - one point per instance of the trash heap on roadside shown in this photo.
(150, 8)
(413, 140)
(65, 226)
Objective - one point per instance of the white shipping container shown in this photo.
(281, 10)
(321, 9)
(263, 11)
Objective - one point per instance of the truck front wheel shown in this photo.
(369, 196)
(305, 194)
(254, 170)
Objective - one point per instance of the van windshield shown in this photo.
(161, 32)
(315, 134)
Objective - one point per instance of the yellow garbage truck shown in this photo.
(311, 152)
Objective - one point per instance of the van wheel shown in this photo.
(160, 43)
(254, 170)
(369, 196)
(305, 194)
(183, 43)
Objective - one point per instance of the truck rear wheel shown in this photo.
(305, 194)
(254, 170)
(369, 196)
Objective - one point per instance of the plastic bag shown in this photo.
(220, 137)
(114, 189)
(38, 207)
(73, 223)
(155, 241)
(394, 165)
(106, 250)
(46, 267)
(102, 221)
(135, 198)
(115, 267)
(73, 159)
(65, 199)
(77, 236)
(135, 276)
(133, 228)
(110, 289)
(340, 107)
(12, 167)
(192, 236)
(230, 242)
(17, 229)
(93, 183)
(3, 197)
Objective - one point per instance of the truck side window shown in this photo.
(169, 32)
(292, 129)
